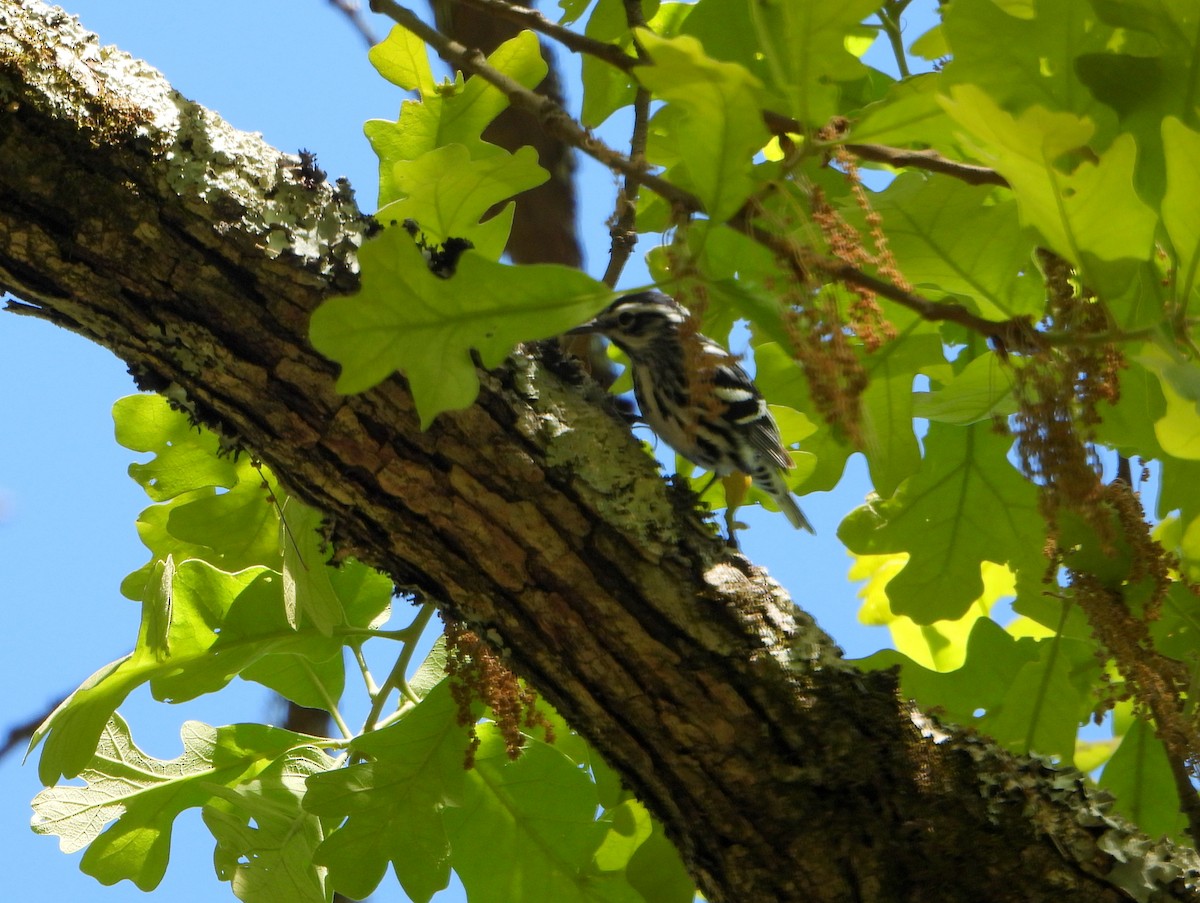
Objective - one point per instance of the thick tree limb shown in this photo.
(145, 223)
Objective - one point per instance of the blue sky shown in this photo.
(296, 72)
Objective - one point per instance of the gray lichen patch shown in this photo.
(581, 437)
(121, 105)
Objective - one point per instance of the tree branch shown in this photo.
(622, 228)
(778, 123)
(572, 40)
(191, 251)
(353, 13)
(928, 160)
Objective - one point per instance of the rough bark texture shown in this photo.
(143, 222)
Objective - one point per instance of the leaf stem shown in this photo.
(397, 679)
(889, 16)
(372, 689)
(330, 704)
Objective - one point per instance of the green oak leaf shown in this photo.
(403, 59)
(955, 239)
(1027, 694)
(572, 10)
(635, 843)
(1146, 76)
(911, 113)
(186, 457)
(887, 407)
(456, 113)
(393, 803)
(1176, 632)
(305, 676)
(143, 795)
(980, 391)
(529, 823)
(965, 505)
(406, 318)
(629, 826)
(1071, 200)
(1178, 428)
(804, 47)
(1141, 778)
(232, 530)
(1181, 203)
(220, 624)
(966, 694)
(656, 871)
(1020, 59)
(265, 838)
(307, 587)
(941, 646)
(605, 88)
(1047, 699)
(718, 126)
(447, 192)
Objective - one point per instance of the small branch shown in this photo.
(1015, 335)
(553, 118)
(778, 123)
(364, 669)
(928, 160)
(622, 231)
(358, 21)
(572, 40)
(20, 733)
(1189, 802)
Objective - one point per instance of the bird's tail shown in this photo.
(787, 504)
(773, 484)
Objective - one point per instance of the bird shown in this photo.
(695, 397)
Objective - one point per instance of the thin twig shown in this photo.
(622, 231)
(353, 12)
(1016, 334)
(929, 160)
(20, 733)
(572, 40)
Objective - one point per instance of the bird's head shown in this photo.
(637, 323)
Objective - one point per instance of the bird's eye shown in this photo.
(625, 319)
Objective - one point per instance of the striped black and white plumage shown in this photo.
(695, 397)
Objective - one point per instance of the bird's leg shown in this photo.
(735, 485)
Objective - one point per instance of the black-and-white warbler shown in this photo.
(695, 397)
